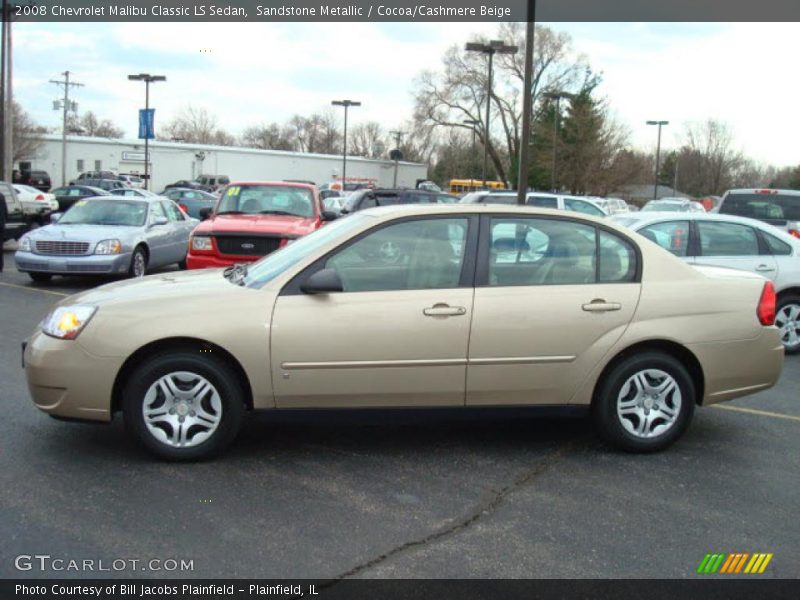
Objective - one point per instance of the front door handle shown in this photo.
(444, 310)
(600, 305)
(764, 268)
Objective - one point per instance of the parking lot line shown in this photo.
(31, 289)
(753, 411)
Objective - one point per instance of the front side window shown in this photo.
(672, 236)
(541, 252)
(267, 200)
(156, 210)
(413, 255)
(173, 212)
(727, 239)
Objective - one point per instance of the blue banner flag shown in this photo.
(147, 123)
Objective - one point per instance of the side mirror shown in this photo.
(323, 282)
(54, 217)
(204, 213)
(328, 215)
(159, 221)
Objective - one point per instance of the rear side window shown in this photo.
(672, 236)
(762, 206)
(727, 239)
(542, 201)
(776, 246)
(617, 260)
(582, 206)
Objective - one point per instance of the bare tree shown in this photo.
(266, 137)
(710, 157)
(368, 140)
(91, 126)
(196, 125)
(27, 139)
(458, 92)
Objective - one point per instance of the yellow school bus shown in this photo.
(462, 186)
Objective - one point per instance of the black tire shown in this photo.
(610, 426)
(212, 369)
(182, 265)
(134, 270)
(783, 302)
(40, 277)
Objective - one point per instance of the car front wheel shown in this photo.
(183, 405)
(645, 403)
(138, 266)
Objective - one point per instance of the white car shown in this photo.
(132, 181)
(733, 242)
(35, 202)
(585, 205)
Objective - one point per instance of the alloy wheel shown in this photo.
(787, 320)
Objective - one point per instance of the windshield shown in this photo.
(106, 212)
(272, 265)
(267, 200)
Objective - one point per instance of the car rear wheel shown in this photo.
(645, 403)
(138, 266)
(787, 319)
(40, 277)
(183, 405)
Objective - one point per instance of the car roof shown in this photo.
(394, 210)
(304, 186)
(147, 199)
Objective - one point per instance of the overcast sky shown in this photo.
(248, 73)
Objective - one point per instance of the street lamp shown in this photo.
(473, 123)
(347, 104)
(557, 96)
(658, 153)
(148, 79)
(490, 49)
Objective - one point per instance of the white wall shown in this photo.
(172, 161)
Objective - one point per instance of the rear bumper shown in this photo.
(740, 368)
(29, 262)
(211, 261)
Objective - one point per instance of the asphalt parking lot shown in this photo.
(395, 495)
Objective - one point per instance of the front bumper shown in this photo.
(211, 261)
(67, 381)
(73, 265)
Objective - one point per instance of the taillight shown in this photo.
(794, 233)
(183, 208)
(40, 197)
(766, 305)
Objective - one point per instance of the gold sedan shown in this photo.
(415, 306)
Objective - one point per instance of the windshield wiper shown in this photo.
(231, 212)
(277, 212)
(236, 273)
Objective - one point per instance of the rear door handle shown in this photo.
(444, 310)
(600, 305)
(764, 268)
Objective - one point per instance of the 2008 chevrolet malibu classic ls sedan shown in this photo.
(415, 306)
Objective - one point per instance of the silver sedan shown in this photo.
(111, 235)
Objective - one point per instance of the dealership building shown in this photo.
(171, 161)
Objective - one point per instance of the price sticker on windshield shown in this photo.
(233, 191)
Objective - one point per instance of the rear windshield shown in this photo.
(762, 206)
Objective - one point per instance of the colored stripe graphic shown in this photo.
(734, 563)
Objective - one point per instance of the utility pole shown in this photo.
(6, 100)
(527, 102)
(397, 135)
(658, 154)
(66, 106)
(675, 178)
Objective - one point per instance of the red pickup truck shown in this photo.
(252, 219)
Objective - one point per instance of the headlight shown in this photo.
(25, 244)
(66, 322)
(201, 242)
(108, 247)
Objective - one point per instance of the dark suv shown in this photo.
(389, 197)
(36, 179)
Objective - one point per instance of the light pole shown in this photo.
(490, 49)
(557, 96)
(148, 79)
(658, 153)
(67, 105)
(527, 107)
(347, 104)
(397, 136)
(473, 123)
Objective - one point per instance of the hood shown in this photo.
(82, 233)
(258, 224)
(171, 289)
